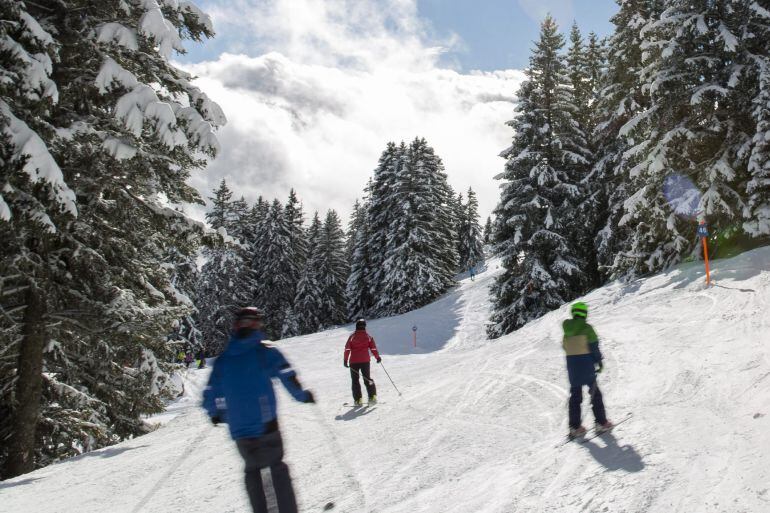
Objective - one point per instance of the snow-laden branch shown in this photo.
(39, 165)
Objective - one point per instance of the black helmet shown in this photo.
(248, 318)
(360, 324)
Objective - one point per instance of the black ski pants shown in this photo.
(267, 452)
(363, 369)
(597, 404)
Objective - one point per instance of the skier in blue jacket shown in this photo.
(240, 393)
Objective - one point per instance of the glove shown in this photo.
(345, 364)
(379, 360)
(310, 398)
(216, 419)
(599, 367)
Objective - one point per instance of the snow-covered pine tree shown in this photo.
(757, 59)
(421, 257)
(237, 224)
(295, 219)
(98, 130)
(535, 216)
(488, 230)
(275, 290)
(699, 128)
(458, 215)
(623, 109)
(471, 237)
(226, 281)
(332, 271)
(357, 289)
(221, 207)
(307, 302)
(584, 66)
(296, 257)
(383, 205)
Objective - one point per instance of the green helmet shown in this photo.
(580, 309)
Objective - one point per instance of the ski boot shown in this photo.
(604, 428)
(372, 400)
(358, 402)
(576, 432)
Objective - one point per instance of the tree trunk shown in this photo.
(29, 387)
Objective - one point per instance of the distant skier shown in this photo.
(240, 392)
(472, 271)
(188, 359)
(357, 358)
(584, 361)
(201, 359)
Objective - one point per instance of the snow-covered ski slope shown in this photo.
(477, 426)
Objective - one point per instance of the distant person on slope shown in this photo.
(584, 362)
(357, 358)
(240, 392)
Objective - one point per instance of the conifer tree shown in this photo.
(275, 289)
(623, 118)
(421, 257)
(488, 230)
(383, 205)
(307, 302)
(756, 56)
(357, 289)
(697, 129)
(471, 238)
(332, 271)
(536, 210)
(97, 126)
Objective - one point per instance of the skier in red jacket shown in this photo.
(357, 358)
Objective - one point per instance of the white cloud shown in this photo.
(342, 79)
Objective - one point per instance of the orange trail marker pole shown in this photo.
(705, 243)
(704, 233)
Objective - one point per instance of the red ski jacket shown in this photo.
(358, 346)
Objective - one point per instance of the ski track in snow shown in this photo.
(478, 422)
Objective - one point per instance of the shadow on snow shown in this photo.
(613, 456)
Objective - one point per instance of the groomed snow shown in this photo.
(477, 426)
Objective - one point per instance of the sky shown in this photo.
(314, 89)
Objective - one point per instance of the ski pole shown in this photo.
(366, 380)
(391, 379)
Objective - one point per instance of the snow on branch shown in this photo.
(142, 104)
(203, 18)
(35, 30)
(117, 33)
(156, 27)
(209, 109)
(39, 165)
(111, 72)
(37, 73)
(697, 97)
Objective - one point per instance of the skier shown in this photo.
(201, 359)
(357, 358)
(240, 392)
(188, 358)
(584, 362)
(473, 273)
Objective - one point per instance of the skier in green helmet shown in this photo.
(584, 362)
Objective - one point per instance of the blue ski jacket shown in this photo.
(240, 389)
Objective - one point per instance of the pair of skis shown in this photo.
(363, 405)
(594, 433)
